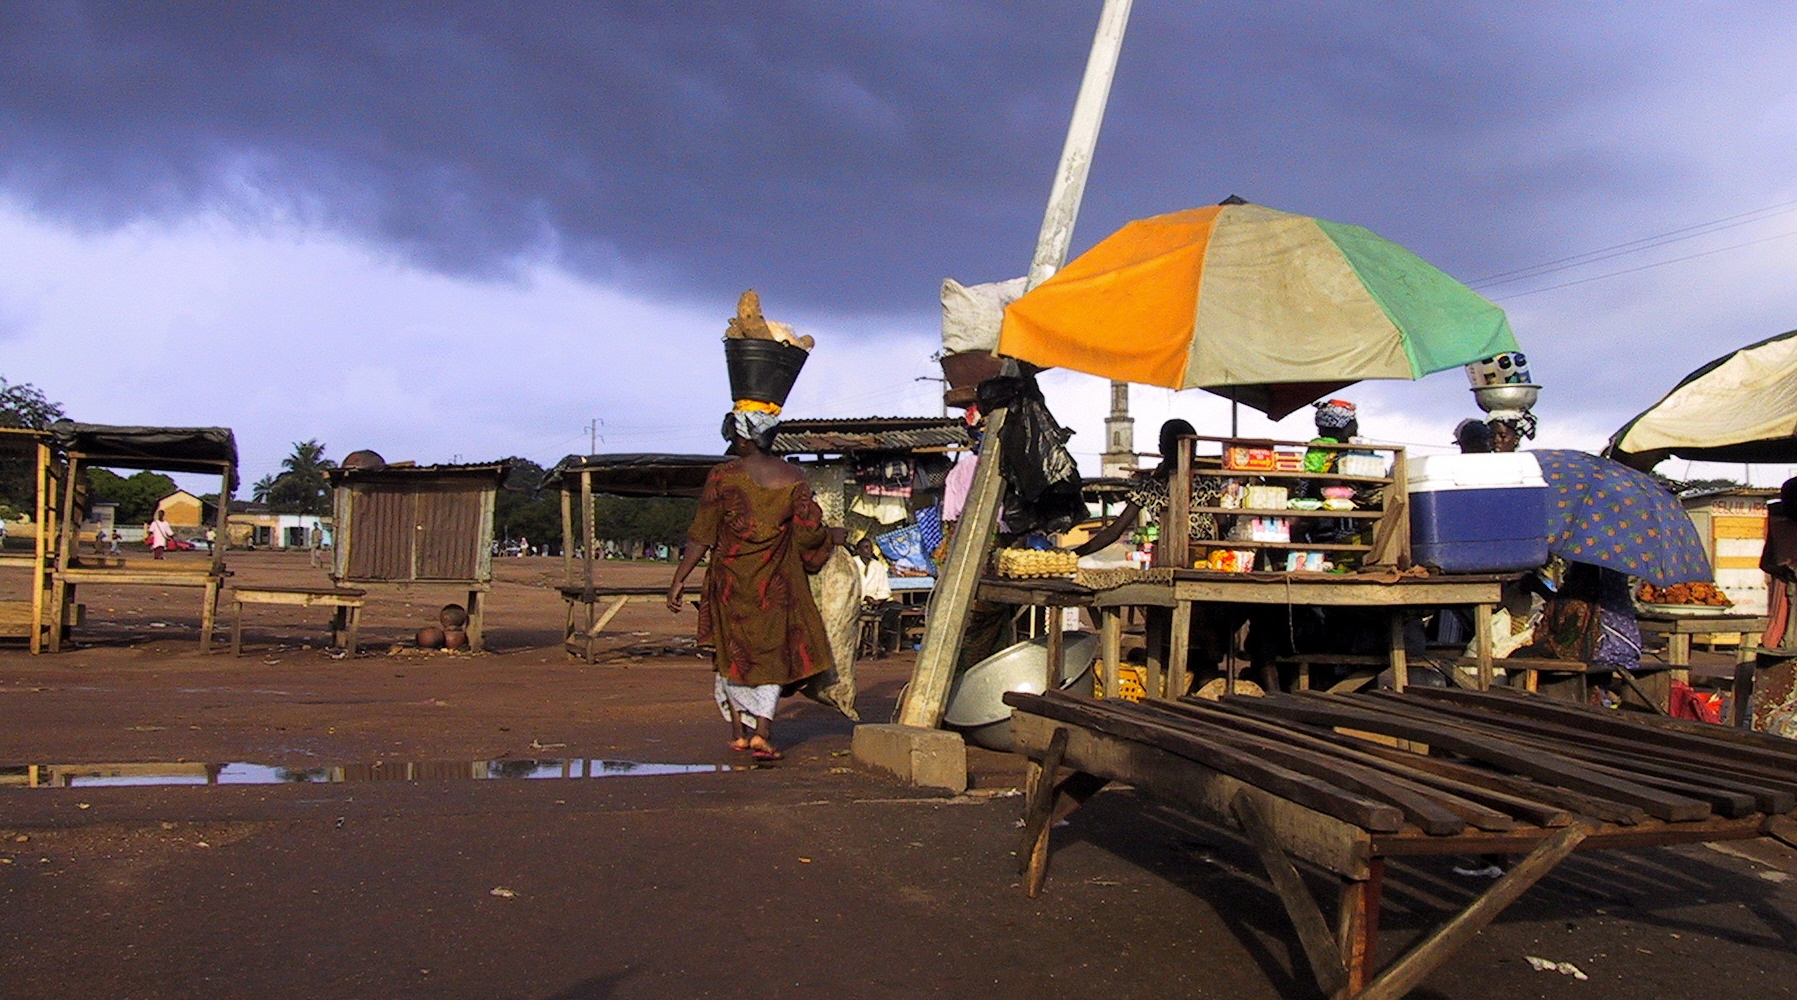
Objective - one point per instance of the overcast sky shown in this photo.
(461, 231)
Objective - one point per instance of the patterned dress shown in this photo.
(755, 606)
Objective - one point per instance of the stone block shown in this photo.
(931, 758)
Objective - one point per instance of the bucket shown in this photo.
(762, 370)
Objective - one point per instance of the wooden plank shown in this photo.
(1676, 734)
(1768, 791)
(1324, 591)
(1533, 811)
(1618, 734)
(1419, 808)
(1320, 948)
(1304, 833)
(1400, 665)
(586, 529)
(926, 697)
(1408, 972)
(39, 544)
(1319, 709)
(1112, 719)
(1175, 545)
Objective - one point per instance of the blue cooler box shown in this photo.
(1478, 513)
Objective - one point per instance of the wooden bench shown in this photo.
(346, 621)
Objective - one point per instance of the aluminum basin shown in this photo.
(977, 698)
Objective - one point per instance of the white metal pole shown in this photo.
(1082, 139)
(927, 696)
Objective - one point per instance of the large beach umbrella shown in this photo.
(1741, 407)
(1272, 309)
(1607, 514)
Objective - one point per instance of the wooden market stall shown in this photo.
(24, 619)
(580, 478)
(402, 526)
(198, 450)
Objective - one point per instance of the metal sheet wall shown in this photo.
(383, 524)
(449, 535)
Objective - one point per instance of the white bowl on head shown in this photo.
(1506, 396)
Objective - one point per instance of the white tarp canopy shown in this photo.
(1742, 407)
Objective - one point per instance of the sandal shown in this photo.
(739, 746)
(766, 755)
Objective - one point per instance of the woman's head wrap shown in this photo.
(751, 425)
(1520, 421)
(1334, 414)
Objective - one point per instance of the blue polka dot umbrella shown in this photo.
(1607, 514)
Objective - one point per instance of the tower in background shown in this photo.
(1119, 434)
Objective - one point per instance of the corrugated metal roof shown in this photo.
(850, 434)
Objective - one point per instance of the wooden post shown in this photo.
(1179, 643)
(567, 534)
(1175, 545)
(586, 534)
(39, 547)
(1110, 649)
(477, 621)
(1357, 925)
(1400, 665)
(64, 537)
(1320, 948)
(1482, 631)
(1057, 648)
(227, 481)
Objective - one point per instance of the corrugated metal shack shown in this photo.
(405, 525)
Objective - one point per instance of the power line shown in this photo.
(1635, 246)
(1643, 267)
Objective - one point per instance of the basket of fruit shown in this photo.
(1684, 599)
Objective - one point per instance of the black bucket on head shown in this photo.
(762, 370)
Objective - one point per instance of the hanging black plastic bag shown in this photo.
(1043, 483)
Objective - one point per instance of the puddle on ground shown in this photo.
(240, 773)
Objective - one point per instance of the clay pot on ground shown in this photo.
(453, 617)
(455, 638)
(430, 637)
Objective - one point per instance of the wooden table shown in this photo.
(65, 581)
(579, 639)
(1678, 630)
(1483, 591)
(346, 620)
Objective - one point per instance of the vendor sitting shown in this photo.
(876, 584)
(1337, 423)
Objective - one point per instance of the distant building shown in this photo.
(183, 509)
(249, 524)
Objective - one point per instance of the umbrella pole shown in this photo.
(926, 697)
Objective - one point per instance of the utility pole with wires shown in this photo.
(593, 438)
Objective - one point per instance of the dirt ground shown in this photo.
(808, 878)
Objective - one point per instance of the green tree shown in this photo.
(523, 510)
(301, 487)
(25, 405)
(22, 405)
(135, 495)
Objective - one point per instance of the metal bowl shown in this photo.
(977, 698)
(1506, 396)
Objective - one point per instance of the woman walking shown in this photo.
(764, 532)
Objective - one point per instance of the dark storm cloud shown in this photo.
(849, 154)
